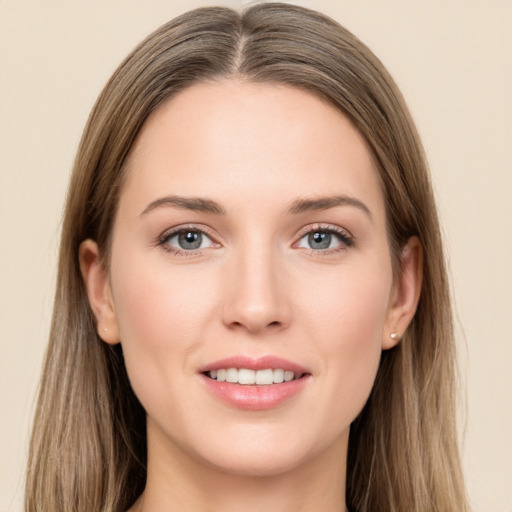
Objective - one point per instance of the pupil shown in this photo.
(190, 240)
(320, 240)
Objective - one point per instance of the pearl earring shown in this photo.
(394, 336)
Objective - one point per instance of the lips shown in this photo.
(254, 384)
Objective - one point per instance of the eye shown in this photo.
(186, 240)
(325, 239)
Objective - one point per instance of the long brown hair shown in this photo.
(88, 448)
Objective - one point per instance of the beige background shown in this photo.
(453, 61)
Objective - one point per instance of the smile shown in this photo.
(247, 377)
(255, 383)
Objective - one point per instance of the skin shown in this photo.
(256, 287)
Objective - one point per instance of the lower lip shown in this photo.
(255, 398)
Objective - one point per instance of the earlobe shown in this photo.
(406, 293)
(97, 284)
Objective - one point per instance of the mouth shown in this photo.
(255, 384)
(248, 377)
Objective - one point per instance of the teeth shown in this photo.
(246, 376)
(265, 377)
(278, 376)
(288, 376)
(231, 375)
(250, 377)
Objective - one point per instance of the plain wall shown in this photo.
(453, 62)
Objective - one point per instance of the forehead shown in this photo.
(235, 136)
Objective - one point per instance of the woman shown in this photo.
(252, 307)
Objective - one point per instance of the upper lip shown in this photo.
(251, 363)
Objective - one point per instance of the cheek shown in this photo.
(161, 316)
(347, 322)
(348, 304)
(152, 297)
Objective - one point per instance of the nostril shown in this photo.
(272, 326)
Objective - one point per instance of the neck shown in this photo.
(177, 481)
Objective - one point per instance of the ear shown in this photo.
(97, 284)
(405, 293)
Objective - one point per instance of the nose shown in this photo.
(256, 293)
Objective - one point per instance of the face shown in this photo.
(250, 236)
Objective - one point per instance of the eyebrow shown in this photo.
(303, 205)
(197, 204)
(298, 206)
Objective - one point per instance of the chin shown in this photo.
(266, 454)
(257, 464)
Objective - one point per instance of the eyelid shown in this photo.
(322, 226)
(346, 238)
(175, 230)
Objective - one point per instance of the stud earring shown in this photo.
(393, 336)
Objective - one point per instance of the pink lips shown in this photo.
(254, 364)
(255, 397)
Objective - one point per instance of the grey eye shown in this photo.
(320, 240)
(189, 240)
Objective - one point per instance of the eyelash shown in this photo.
(345, 238)
(168, 235)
